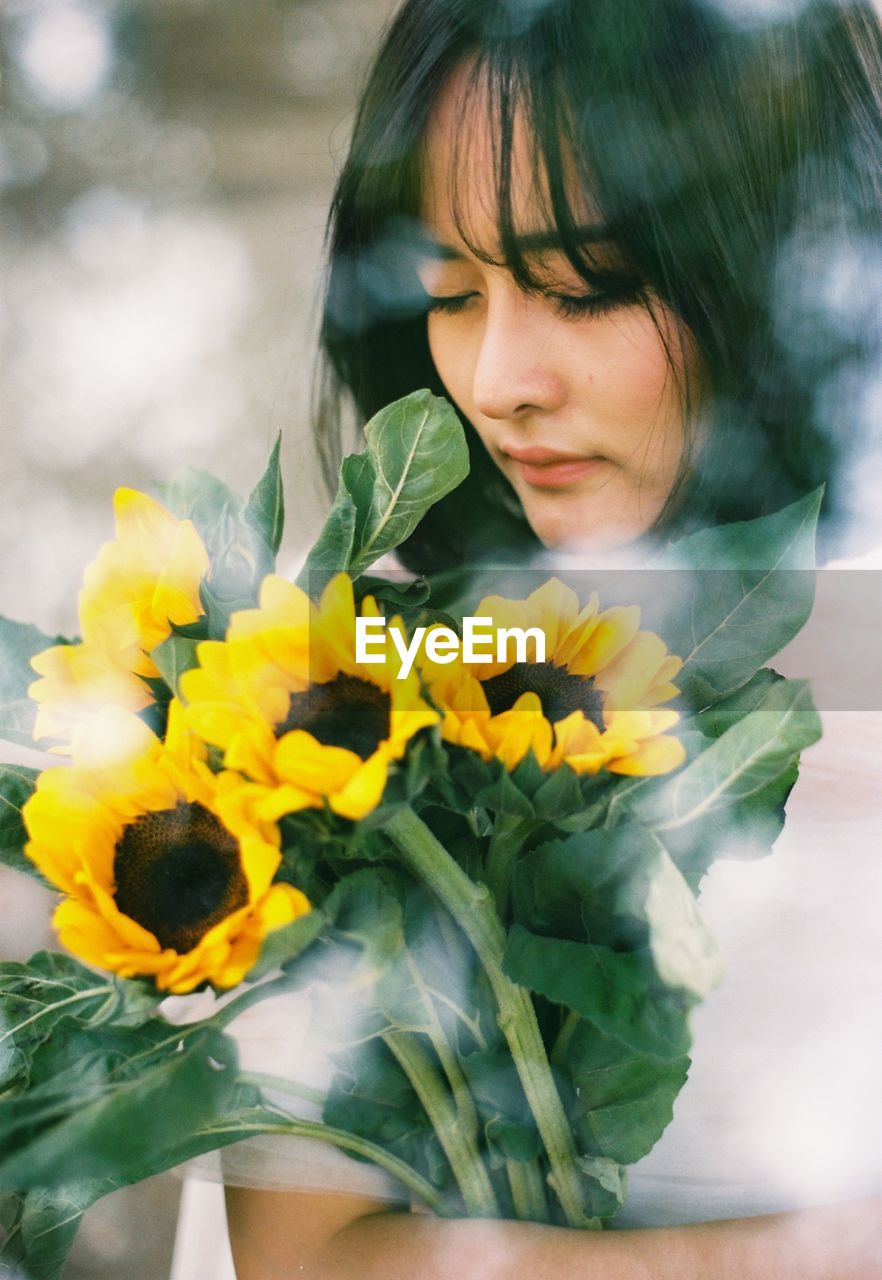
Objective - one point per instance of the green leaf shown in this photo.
(620, 1101)
(743, 831)
(509, 1126)
(408, 600)
(370, 1096)
(19, 642)
(239, 557)
(391, 920)
(618, 992)
(750, 592)
(405, 598)
(622, 794)
(715, 720)
(16, 787)
(119, 1131)
(84, 1056)
(44, 1226)
(471, 783)
(179, 1108)
(529, 776)
(284, 947)
(97, 1092)
(416, 453)
(458, 591)
(619, 889)
(561, 795)
(335, 547)
(17, 721)
(607, 1187)
(366, 908)
(265, 508)
(503, 795)
(410, 979)
(739, 767)
(35, 997)
(173, 656)
(785, 539)
(196, 495)
(728, 801)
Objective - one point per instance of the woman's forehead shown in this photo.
(460, 173)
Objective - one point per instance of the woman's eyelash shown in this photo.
(568, 305)
(450, 305)
(572, 306)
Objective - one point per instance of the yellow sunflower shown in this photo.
(285, 699)
(147, 578)
(157, 881)
(592, 704)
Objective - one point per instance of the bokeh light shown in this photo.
(65, 50)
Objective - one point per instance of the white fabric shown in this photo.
(277, 1038)
(783, 1105)
(202, 1245)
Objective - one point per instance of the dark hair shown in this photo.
(729, 152)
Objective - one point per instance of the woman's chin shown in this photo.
(576, 524)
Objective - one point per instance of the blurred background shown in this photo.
(165, 170)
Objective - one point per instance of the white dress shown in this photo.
(783, 1105)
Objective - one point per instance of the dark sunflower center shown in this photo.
(559, 692)
(178, 873)
(343, 712)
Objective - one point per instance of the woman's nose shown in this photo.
(517, 369)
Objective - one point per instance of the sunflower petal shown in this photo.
(655, 756)
(101, 828)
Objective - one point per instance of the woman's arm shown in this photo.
(311, 1236)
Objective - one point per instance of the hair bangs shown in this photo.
(502, 87)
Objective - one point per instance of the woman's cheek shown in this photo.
(641, 403)
(630, 368)
(451, 348)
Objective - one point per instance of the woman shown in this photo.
(587, 225)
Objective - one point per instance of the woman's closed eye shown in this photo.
(572, 306)
(568, 305)
(449, 304)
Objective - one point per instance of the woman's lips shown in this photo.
(546, 469)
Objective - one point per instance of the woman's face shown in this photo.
(573, 396)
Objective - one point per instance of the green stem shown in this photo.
(565, 1035)
(220, 1018)
(527, 1190)
(506, 842)
(253, 995)
(468, 1116)
(471, 905)
(468, 1168)
(297, 1090)
(346, 1142)
(461, 962)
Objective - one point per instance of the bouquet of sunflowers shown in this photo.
(490, 859)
